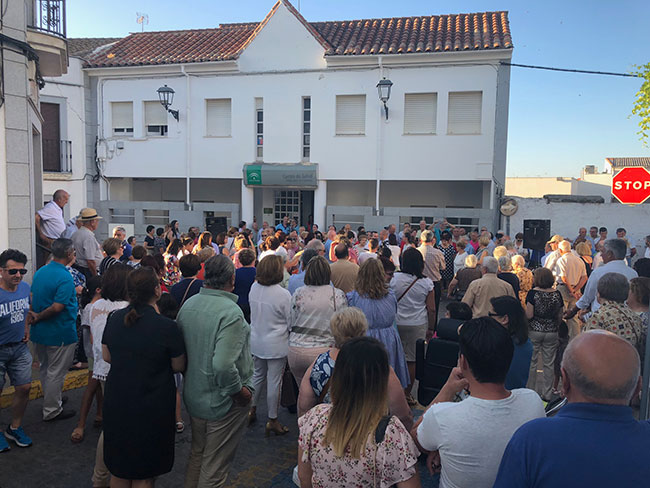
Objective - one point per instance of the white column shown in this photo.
(247, 204)
(320, 202)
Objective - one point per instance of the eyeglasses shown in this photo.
(16, 271)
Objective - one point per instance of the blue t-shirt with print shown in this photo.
(13, 312)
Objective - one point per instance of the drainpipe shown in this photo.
(378, 158)
(188, 142)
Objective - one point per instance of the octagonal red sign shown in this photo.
(631, 185)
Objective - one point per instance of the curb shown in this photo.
(73, 379)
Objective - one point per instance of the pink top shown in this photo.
(396, 455)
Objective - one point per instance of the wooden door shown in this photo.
(51, 137)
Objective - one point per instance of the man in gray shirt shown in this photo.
(89, 251)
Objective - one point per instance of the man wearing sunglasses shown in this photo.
(15, 358)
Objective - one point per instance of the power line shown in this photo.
(567, 70)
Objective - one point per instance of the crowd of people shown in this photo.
(210, 320)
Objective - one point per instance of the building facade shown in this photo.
(283, 117)
(33, 47)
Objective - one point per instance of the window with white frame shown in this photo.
(465, 112)
(420, 110)
(218, 117)
(122, 118)
(306, 128)
(350, 114)
(259, 129)
(155, 119)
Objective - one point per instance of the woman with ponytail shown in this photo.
(144, 349)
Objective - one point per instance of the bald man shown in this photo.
(594, 440)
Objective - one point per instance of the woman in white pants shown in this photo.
(270, 305)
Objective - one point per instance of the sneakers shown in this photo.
(4, 445)
(64, 414)
(18, 436)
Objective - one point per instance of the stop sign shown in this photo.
(631, 185)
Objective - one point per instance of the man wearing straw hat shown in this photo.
(89, 251)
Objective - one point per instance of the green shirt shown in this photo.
(219, 360)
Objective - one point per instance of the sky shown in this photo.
(558, 122)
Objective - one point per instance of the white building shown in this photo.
(33, 47)
(304, 95)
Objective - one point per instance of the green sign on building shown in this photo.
(281, 175)
(253, 174)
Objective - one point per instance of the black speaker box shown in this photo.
(216, 225)
(537, 233)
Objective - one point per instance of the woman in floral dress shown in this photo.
(352, 442)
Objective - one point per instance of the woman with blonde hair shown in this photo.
(269, 306)
(464, 277)
(377, 301)
(352, 441)
(525, 277)
(584, 251)
(483, 243)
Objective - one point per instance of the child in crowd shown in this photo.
(91, 294)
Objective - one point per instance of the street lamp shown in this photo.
(166, 96)
(383, 87)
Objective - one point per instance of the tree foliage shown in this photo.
(642, 103)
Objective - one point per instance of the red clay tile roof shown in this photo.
(426, 34)
(85, 45)
(404, 35)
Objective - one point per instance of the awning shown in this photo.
(285, 175)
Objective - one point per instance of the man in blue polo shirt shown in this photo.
(15, 359)
(53, 318)
(594, 440)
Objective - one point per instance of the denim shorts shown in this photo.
(16, 361)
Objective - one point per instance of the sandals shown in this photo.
(77, 435)
(180, 427)
(276, 427)
(411, 401)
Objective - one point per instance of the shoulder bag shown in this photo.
(409, 287)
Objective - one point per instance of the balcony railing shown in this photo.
(48, 16)
(57, 156)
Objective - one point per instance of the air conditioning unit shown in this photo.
(590, 169)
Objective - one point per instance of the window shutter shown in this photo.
(122, 113)
(218, 117)
(420, 110)
(350, 114)
(154, 114)
(464, 112)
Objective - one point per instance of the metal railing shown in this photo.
(55, 151)
(48, 16)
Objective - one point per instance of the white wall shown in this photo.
(428, 157)
(567, 218)
(537, 187)
(68, 91)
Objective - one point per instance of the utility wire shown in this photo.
(567, 70)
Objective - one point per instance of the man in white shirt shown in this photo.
(50, 223)
(571, 277)
(613, 255)
(552, 258)
(89, 251)
(466, 440)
